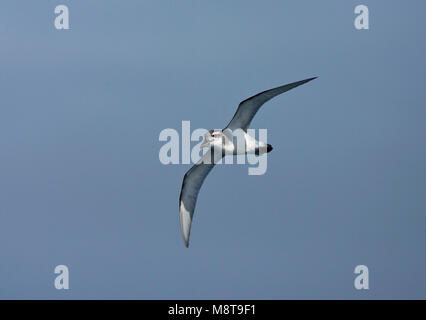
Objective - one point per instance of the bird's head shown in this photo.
(211, 138)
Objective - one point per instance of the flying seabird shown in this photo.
(221, 142)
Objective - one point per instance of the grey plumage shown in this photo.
(195, 176)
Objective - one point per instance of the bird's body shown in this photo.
(237, 142)
(233, 140)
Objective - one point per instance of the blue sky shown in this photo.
(81, 183)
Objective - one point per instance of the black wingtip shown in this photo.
(310, 79)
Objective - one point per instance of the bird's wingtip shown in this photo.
(186, 240)
(185, 223)
(306, 80)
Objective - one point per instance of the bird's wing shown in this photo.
(191, 185)
(248, 108)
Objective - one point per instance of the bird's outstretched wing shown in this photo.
(191, 185)
(248, 108)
